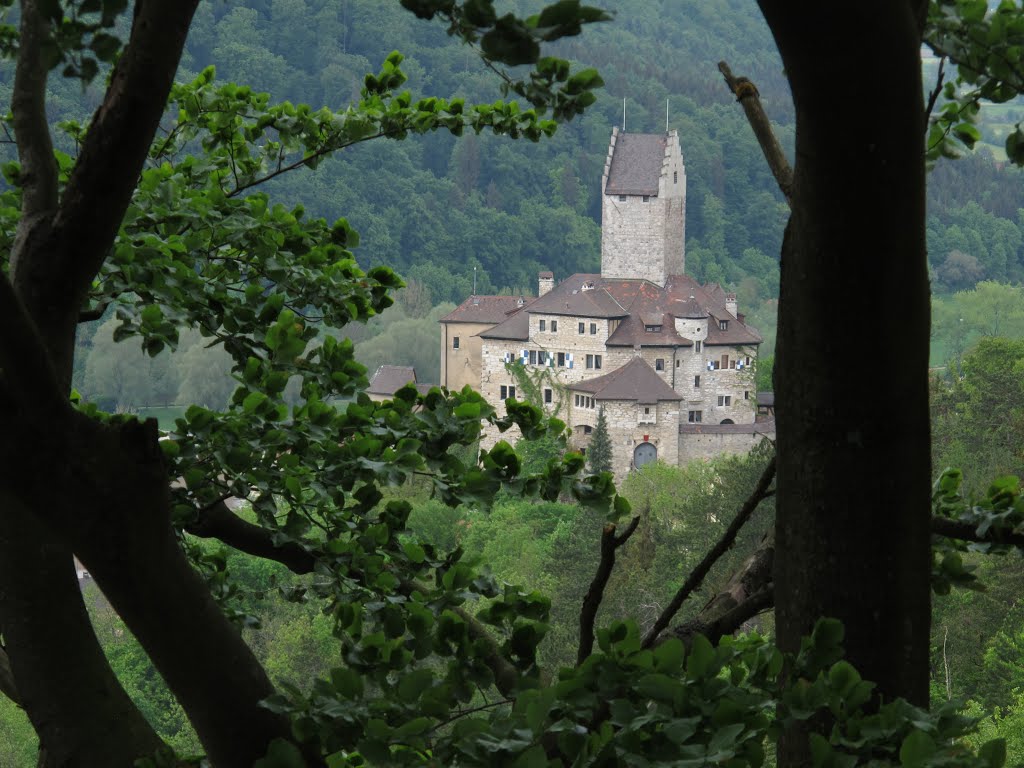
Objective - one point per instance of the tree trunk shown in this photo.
(851, 369)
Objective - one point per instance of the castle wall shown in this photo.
(461, 366)
(707, 446)
(644, 236)
(628, 426)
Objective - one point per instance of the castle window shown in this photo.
(647, 198)
(576, 402)
(547, 395)
(455, 342)
(590, 361)
(695, 417)
(746, 394)
(724, 400)
(587, 429)
(659, 364)
(723, 325)
(622, 198)
(561, 359)
(677, 362)
(543, 323)
(542, 358)
(716, 365)
(696, 380)
(507, 392)
(593, 328)
(554, 326)
(533, 357)
(583, 327)
(675, 177)
(697, 346)
(597, 361)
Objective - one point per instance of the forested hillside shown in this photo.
(436, 207)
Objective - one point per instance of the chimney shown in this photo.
(545, 282)
(730, 304)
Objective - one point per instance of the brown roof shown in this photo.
(486, 309)
(390, 378)
(516, 327)
(633, 381)
(636, 164)
(633, 302)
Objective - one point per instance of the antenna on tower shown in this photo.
(666, 115)
(623, 114)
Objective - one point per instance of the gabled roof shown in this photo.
(633, 381)
(636, 166)
(390, 378)
(486, 309)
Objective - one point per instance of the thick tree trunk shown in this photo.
(72, 485)
(851, 371)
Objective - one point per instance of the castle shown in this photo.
(670, 361)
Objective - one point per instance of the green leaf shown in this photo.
(993, 753)
(702, 654)
(917, 747)
(281, 754)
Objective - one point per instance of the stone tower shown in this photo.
(643, 207)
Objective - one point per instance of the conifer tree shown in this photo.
(600, 450)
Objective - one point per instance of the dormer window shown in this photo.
(723, 325)
(652, 328)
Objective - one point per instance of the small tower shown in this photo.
(643, 207)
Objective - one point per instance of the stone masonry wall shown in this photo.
(628, 427)
(707, 446)
(646, 239)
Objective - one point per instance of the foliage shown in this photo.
(599, 451)
(666, 706)
(984, 45)
(978, 416)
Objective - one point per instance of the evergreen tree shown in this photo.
(600, 450)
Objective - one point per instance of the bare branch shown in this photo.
(57, 270)
(95, 313)
(696, 578)
(934, 95)
(748, 96)
(35, 146)
(956, 529)
(592, 601)
(7, 685)
(221, 523)
(728, 622)
(26, 372)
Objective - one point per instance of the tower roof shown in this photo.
(636, 164)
